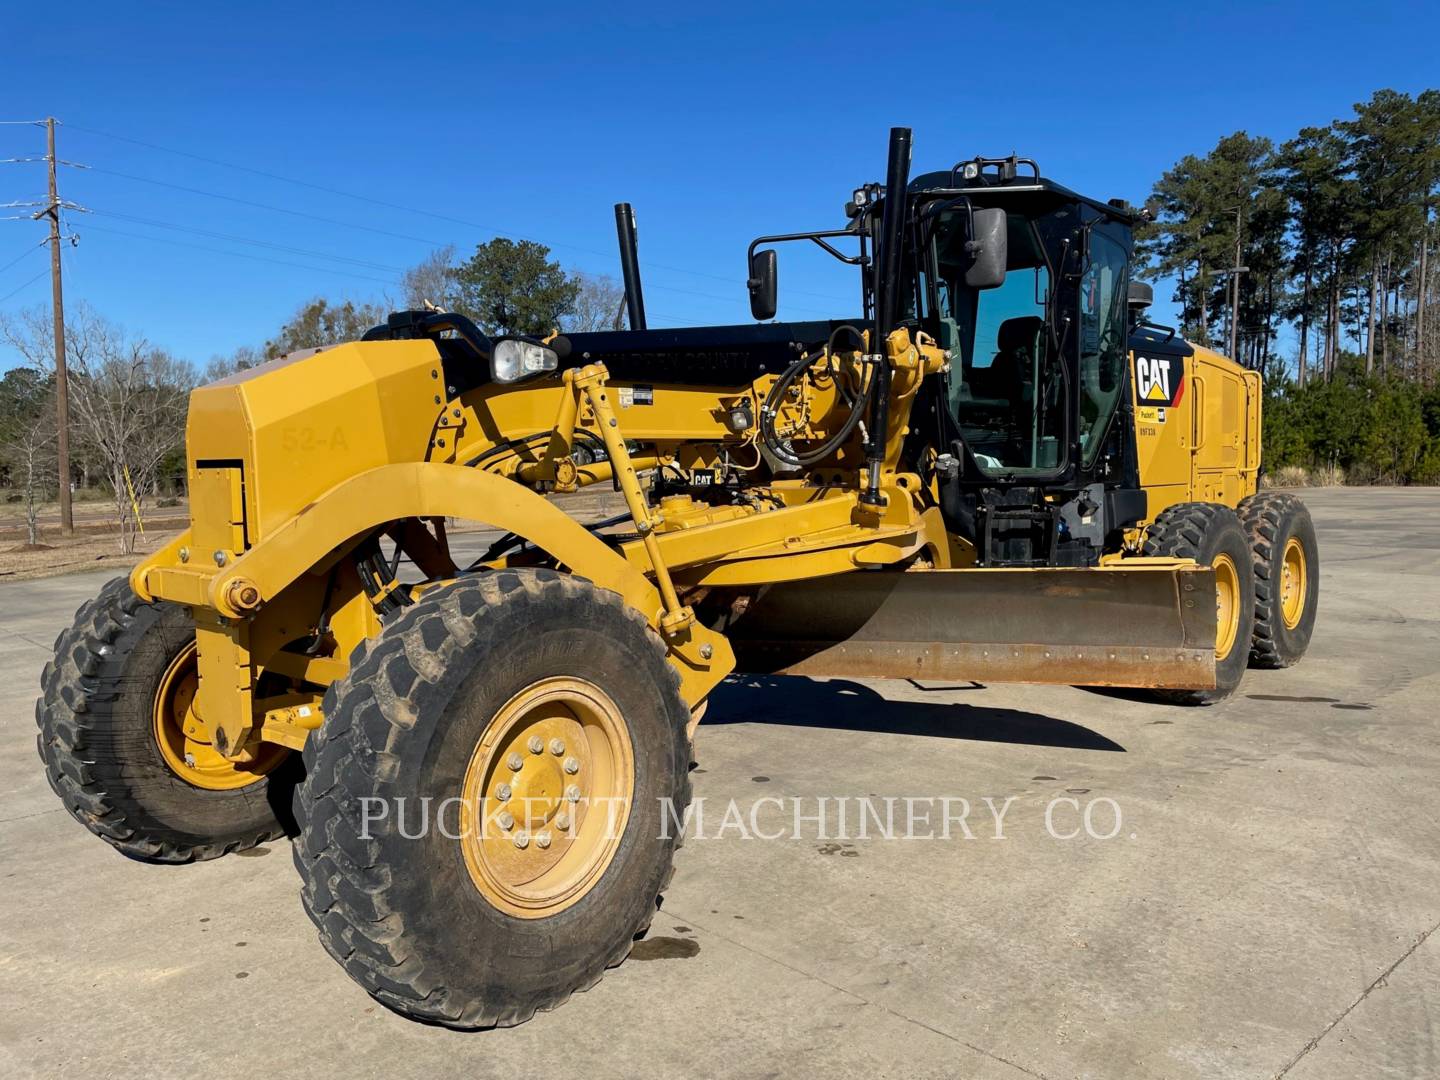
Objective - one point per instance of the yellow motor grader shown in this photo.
(997, 470)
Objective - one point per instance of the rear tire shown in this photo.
(1211, 534)
(412, 909)
(1287, 577)
(99, 742)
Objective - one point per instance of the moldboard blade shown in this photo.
(1150, 625)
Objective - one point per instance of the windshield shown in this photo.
(1008, 391)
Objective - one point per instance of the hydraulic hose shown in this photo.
(771, 408)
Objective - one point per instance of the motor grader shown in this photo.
(997, 470)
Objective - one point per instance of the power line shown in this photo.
(27, 284)
(23, 255)
(242, 255)
(343, 224)
(414, 210)
(682, 318)
(323, 255)
(309, 184)
(267, 206)
(306, 253)
(67, 251)
(249, 240)
(327, 221)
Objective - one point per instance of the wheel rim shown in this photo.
(1293, 583)
(184, 741)
(1227, 605)
(546, 797)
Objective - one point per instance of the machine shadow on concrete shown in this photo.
(843, 705)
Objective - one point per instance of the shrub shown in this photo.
(1355, 429)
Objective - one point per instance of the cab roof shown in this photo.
(943, 184)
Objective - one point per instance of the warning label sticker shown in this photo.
(636, 395)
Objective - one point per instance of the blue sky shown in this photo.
(718, 123)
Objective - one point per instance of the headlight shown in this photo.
(514, 359)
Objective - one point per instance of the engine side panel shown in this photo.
(1197, 426)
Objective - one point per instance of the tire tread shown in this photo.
(345, 886)
(1180, 531)
(1262, 517)
(78, 688)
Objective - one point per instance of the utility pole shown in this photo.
(1236, 271)
(1233, 273)
(57, 303)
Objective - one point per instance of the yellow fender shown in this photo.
(425, 489)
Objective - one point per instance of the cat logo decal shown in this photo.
(1159, 381)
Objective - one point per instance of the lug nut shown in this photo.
(562, 822)
(572, 793)
(506, 821)
(537, 744)
(516, 762)
(572, 766)
(522, 839)
(557, 747)
(503, 793)
(542, 840)
(190, 760)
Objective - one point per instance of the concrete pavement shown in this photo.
(1266, 907)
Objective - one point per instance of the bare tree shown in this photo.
(597, 305)
(431, 282)
(127, 401)
(27, 438)
(320, 322)
(219, 367)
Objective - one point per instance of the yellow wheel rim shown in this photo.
(546, 797)
(1227, 605)
(184, 741)
(1293, 583)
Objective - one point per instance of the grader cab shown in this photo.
(996, 470)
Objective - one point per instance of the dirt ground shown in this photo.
(19, 561)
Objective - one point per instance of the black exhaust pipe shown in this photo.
(887, 301)
(630, 265)
(892, 221)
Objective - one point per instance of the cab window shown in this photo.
(1007, 391)
(1102, 339)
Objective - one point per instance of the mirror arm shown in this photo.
(818, 237)
(849, 260)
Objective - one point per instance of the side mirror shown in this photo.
(763, 285)
(988, 249)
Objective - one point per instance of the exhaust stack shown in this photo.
(630, 265)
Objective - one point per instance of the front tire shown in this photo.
(503, 702)
(1211, 534)
(1287, 577)
(123, 752)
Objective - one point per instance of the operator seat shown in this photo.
(1013, 370)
